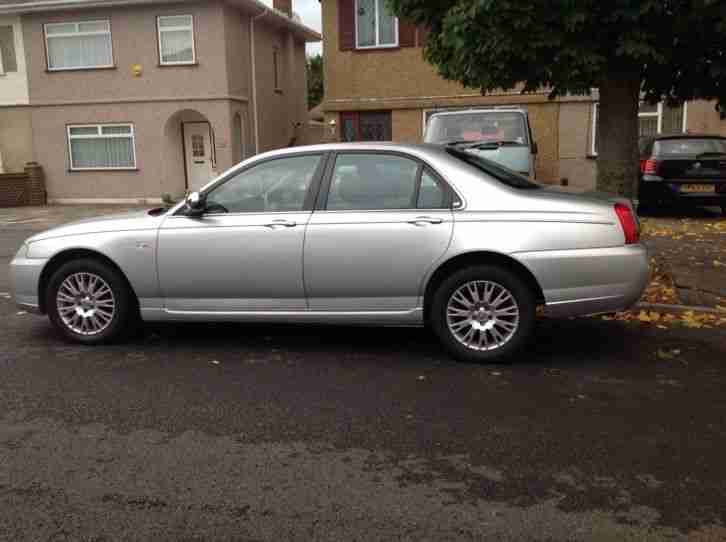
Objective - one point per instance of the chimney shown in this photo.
(283, 5)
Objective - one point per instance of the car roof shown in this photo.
(389, 146)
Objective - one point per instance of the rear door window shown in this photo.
(372, 181)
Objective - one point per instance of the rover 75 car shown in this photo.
(363, 233)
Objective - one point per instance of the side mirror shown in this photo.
(535, 150)
(196, 203)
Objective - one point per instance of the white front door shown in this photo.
(198, 149)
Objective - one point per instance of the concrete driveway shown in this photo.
(202, 432)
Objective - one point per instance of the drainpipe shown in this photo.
(254, 77)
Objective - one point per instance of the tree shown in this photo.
(314, 67)
(673, 50)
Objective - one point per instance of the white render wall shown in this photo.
(14, 85)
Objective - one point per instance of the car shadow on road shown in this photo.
(557, 343)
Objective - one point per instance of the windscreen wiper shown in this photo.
(488, 144)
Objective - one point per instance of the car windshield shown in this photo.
(479, 126)
(500, 173)
(689, 146)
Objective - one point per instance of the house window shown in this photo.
(7, 50)
(375, 25)
(652, 120)
(366, 126)
(101, 146)
(176, 40)
(276, 67)
(79, 46)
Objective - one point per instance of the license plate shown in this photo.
(700, 188)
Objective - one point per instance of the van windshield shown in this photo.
(478, 126)
(500, 173)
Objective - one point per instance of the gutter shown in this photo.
(253, 69)
(55, 5)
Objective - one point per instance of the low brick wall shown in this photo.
(25, 188)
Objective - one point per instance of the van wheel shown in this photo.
(89, 302)
(483, 314)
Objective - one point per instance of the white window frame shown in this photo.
(100, 135)
(160, 30)
(378, 31)
(648, 114)
(77, 33)
(2, 68)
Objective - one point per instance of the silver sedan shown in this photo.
(379, 234)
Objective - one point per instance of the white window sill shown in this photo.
(88, 68)
(376, 47)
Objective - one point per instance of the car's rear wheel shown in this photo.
(89, 302)
(483, 314)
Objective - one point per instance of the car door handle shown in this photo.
(281, 223)
(421, 220)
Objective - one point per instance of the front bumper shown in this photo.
(24, 281)
(590, 281)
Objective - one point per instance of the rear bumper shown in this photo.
(590, 281)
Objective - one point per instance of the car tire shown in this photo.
(487, 331)
(90, 302)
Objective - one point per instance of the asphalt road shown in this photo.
(322, 433)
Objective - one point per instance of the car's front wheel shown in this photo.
(89, 302)
(484, 314)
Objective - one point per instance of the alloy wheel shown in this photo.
(482, 315)
(85, 303)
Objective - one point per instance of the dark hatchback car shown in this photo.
(682, 169)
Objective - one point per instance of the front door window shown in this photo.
(274, 186)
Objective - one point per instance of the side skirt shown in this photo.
(412, 317)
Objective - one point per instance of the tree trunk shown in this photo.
(617, 135)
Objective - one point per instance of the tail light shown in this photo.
(649, 166)
(628, 223)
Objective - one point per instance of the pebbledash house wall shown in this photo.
(216, 89)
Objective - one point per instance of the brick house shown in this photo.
(126, 100)
(378, 86)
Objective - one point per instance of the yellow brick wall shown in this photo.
(407, 125)
(702, 117)
(544, 120)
